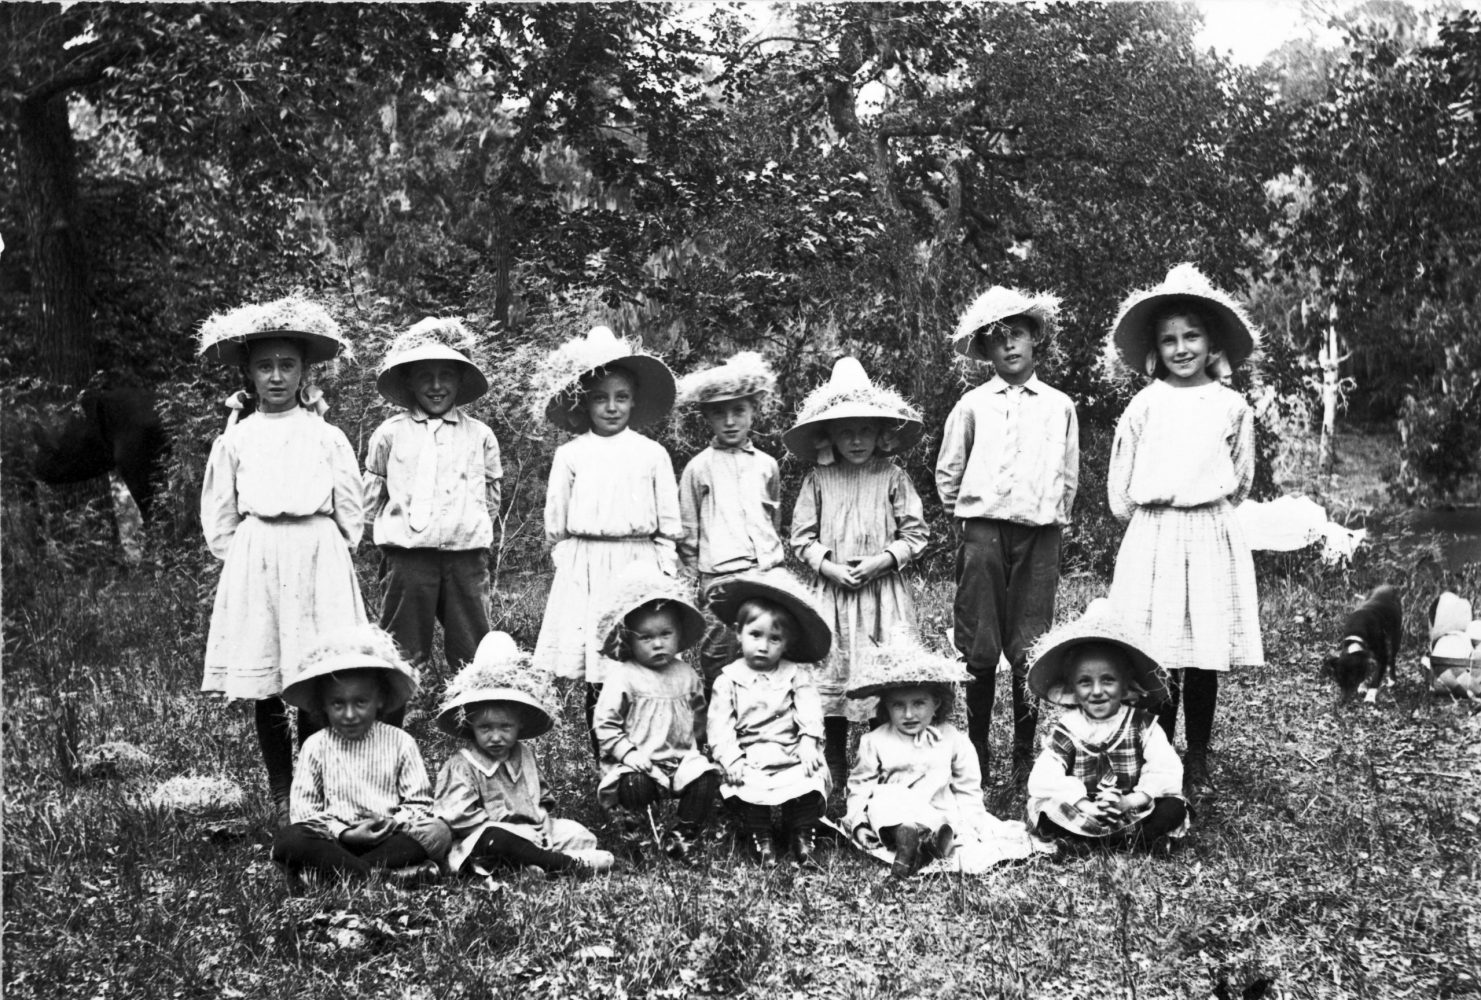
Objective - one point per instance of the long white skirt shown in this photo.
(1186, 578)
(585, 569)
(284, 584)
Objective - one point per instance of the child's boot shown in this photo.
(804, 849)
(758, 848)
(939, 846)
(591, 861)
(835, 749)
(1196, 782)
(907, 850)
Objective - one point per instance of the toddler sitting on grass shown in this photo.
(490, 792)
(361, 800)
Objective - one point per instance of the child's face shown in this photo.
(763, 642)
(654, 638)
(352, 704)
(730, 420)
(1011, 350)
(911, 709)
(609, 404)
(434, 385)
(495, 730)
(854, 440)
(276, 369)
(1098, 685)
(1184, 347)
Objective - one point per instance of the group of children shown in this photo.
(783, 667)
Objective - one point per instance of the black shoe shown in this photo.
(939, 847)
(907, 850)
(758, 849)
(804, 850)
(1196, 781)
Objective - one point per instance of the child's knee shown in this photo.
(636, 791)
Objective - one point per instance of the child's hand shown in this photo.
(874, 567)
(812, 758)
(1132, 801)
(639, 761)
(1097, 810)
(368, 832)
(735, 774)
(839, 575)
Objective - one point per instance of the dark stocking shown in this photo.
(697, 800)
(754, 819)
(1200, 695)
(593, 692)
(503, 847)
(276, 741)
(803, 812)
(835, 748)
(636, 791)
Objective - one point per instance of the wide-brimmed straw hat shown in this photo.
(1133, 337)
(744, 375)
(433, 339)
(999, 303)
(226, 335)
(644, 586)
(557, 383)
(726, 594)
(363, 647)
(847, 395)
(1099, 624)
(901, 661)
(500, 671)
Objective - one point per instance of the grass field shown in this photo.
(1340, 858)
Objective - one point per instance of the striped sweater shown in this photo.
(339, 782)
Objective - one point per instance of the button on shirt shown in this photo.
(729, 501)
(453, 498)
(1011, 453)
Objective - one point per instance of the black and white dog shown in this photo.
(1370, 644)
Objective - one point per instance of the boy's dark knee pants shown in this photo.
(1006, 578)
(424, 586)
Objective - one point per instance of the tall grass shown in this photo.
(1340, 858)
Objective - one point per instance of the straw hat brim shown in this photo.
(801, 439)
(1046, 673)
(300, 693)
(930, 669)
(391, 382)
(726, 595)
(1134, 337)
(317, 347)
(450, 717)
(691, 623)
(653, 396)
(996, 305)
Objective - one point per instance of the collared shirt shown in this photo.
(280, 465)
(472, 790)
(750, 707)
(1011, 453)
(730, 503)
(943, 770)
(465, 492)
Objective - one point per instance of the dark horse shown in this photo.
(113, 430)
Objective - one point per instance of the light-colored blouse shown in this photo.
(659, 713)
(339, 782)
(730, 503)
(748, 707)
(1182, 447)
(940, 763)
(462, 495)
(620, 486)
(280, 465)
(848, 512)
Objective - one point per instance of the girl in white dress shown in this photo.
(916, 789)
(1183, 459)
(281, 506)
(612, 502)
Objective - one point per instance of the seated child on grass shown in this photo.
(361, 799)
(766, 718)
(1107, 773)
(650, 717)
(490, 792)
(916, 788)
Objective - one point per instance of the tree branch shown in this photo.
(88, 71)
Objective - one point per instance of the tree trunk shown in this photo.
(47, 169)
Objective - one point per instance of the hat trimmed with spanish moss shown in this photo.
(226, 336)
(1133, 337)
(901, 661)
(746, 374)
(500, 673)
(640, 588)
(557, 381)
(850, 395)
(432, 339)
(1052, 654)
(362, 647)
(998, 304)
(726, 594)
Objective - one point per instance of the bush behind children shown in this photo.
(789, 671)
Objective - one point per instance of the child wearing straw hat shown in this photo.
(611, 501)
(431, 490)
(730, 493)
(1007, 473)
(281, 507)
(1183, 459)
(1107, 772)
(649, 720)
(766, 719)
(361, 800)
(489, 792)
(857, 523)
(916, 789)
